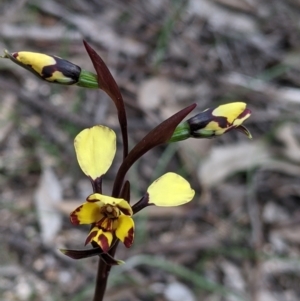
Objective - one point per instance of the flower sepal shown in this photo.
(167, 191)
(94, 143)
(244, 130)
(86, 253)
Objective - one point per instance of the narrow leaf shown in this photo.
(125, 192)
(80, 254)
(108, 84)
(159, 135)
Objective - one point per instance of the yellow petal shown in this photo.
(170, 190)
(95, 149)
(231, 111)
(102, 238)
(87, 213)
(108, 200)
(36, 61)
(125, 230)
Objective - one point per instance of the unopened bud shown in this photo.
(214, 122)
(53, 68)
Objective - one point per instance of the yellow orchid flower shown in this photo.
(109, 216)
(214, 122)
(227, 117)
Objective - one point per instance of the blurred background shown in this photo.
(239, 239)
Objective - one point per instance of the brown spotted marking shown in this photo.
(68, 69)
(90, 237)
(74, 218)
(103, 242)
(106, 224)
(129, 238)
(125, 211)
(244, 113)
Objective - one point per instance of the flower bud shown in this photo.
(53, 68)
(214, 122)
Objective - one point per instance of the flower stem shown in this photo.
(102, 275)
(101, 281)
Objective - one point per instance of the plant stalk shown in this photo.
(102, 275)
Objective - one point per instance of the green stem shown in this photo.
(181, 132)
(87, 80)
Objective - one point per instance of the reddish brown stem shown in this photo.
(102, 275)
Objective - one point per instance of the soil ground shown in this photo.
(239, 239)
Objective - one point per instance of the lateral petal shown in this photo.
(87, 213)
(95, 150)
(170, 190)
(125, 230)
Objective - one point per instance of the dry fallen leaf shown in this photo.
(273, 213)
(226, 160)
(289, 234)
(284, 95)
(242, 5)
(291, 145)
(233, 277)
(154, 92)
(177, 291)
(220, 18)
(47, 197)
(7, 107)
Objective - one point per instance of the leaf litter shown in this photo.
(214, 52)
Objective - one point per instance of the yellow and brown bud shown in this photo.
(53, 69)
(214, 122)
(47, 67)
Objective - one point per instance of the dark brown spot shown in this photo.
(222, 121)
(103, 243)
(129, 238)
(90, 237)
(125, 211)
(74, 218)
(68, 69)
(105, 224)
(244, 113)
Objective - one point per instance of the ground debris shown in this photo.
(239, 238)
